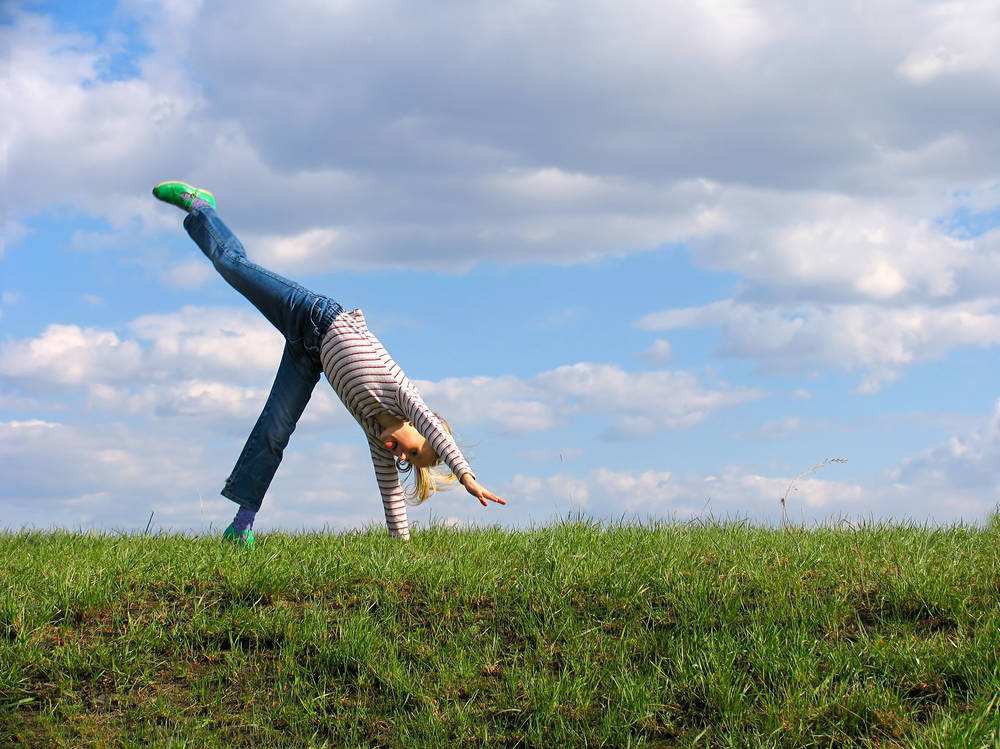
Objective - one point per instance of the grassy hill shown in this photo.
(573, 635)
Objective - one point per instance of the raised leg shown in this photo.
(286, 304)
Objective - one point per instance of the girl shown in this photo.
(403, 433)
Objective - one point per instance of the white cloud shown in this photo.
(70, 355)
(210, 404)
(673, 123)
(957, 479)
(214, 363)
(872, 339)
(211, 400)
(313, 249)
(962, 38)
(639, 402)
(567, 492)
(735, 492)
(190, 343)
(201, 340)
(812, 198)
(658, 352)
(114, 475)
(781, 428)
(636, 403)
(189, 274)
(507, 402)
(551, 186)
(114, 459)
(75, 136)
(916, 492)
(837, 247)
(526, 133)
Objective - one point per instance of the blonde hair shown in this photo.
(426, 481)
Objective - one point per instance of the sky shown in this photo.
(651, 260)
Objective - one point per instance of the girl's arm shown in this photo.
(425, 422)
(393, 500)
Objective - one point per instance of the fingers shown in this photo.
(495, 498)
(490, 496)
(482, 494)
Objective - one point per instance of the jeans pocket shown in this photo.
(321, 313)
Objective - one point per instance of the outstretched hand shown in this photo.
(479, 491)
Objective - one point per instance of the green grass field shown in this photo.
(572, 635)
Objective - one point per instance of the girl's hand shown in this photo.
(480, 492)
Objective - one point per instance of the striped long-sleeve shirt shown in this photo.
(369, 382)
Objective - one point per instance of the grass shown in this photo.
(572, 635)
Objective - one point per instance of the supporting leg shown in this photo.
(297, 375)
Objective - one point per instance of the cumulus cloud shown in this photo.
(842, 248)
(298, 251)
(958, 477)
(640, 402)
(214, 363)
(947, 484)
(70, 355)
(954, 481)
(658, 351)
(114, 460)
(210, 366)
(205, 399)
(735, 492)
(199, 340)
(851, 200)
(867, 338)
(631, 126)
(189, 274)
(961, 40)
(76, 135)
(739, 133)
(636, 404)
(116, 476)
(192, 342)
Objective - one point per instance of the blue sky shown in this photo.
(649, 261)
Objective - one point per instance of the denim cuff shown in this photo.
(249, 504)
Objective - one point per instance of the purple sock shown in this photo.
(244, 519)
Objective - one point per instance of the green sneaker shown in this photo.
(181, 194)
(244, 539)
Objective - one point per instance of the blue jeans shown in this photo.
(302, 317)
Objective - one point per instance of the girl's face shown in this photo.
(406, 443)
